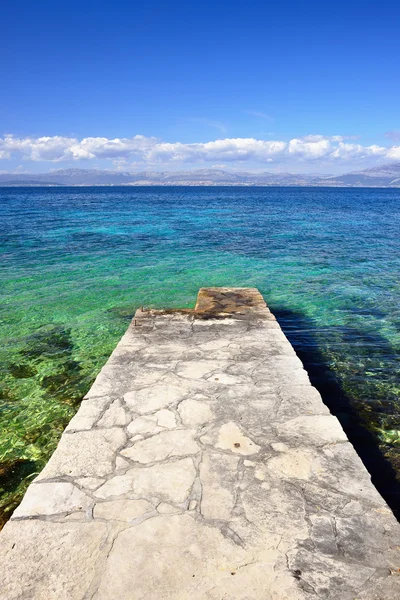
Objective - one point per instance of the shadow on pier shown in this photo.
(358, 423)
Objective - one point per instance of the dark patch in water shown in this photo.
(6, 394)
(67, 383)
(48, 342)
(122, 312)
(11, 475)
(366, 311)
(49, 351)
(54, 347)
(21, 370)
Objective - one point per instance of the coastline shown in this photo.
(200, 185)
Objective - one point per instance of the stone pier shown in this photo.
(202, 464)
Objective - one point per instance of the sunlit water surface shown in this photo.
(76, 263)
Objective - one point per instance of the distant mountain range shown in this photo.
(383, 176)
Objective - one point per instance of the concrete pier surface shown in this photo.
(202, 464)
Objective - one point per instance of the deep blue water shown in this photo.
(76, 262)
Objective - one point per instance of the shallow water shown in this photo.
(77, 262)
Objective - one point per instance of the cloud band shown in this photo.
(152, 151)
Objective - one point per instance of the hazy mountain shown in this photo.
(89, 177)
(14, 181)
(384, 176)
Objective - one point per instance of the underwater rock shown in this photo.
(48, 342)
(21, 371)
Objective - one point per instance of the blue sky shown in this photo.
(300, 86)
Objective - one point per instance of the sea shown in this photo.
(77, 262)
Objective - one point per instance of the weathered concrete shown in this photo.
(202, 464)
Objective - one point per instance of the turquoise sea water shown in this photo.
(77, 262)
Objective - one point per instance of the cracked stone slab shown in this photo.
(114, 416)
(299, 463)
(202, 464)
(166, 444)
(198, 369)
(85, 453)
(165, 418)
(160, 395)
(328, 577)
(218, 474)
(52, 498)
(91, 483)
(200, 565)
(229, 436)
(88, 413)
(195, 412)
(45, 561)
(167, 509)
(122, 510)
(153, 423)
(169, 481)
(312, 429)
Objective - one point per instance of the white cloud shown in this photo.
(230, 149)
(347, 151)
(317, 147)
(394, 153)
(151, 151)
(116, 148)
(59, 148)
(43, 148)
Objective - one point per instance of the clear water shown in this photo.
(76, 263)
